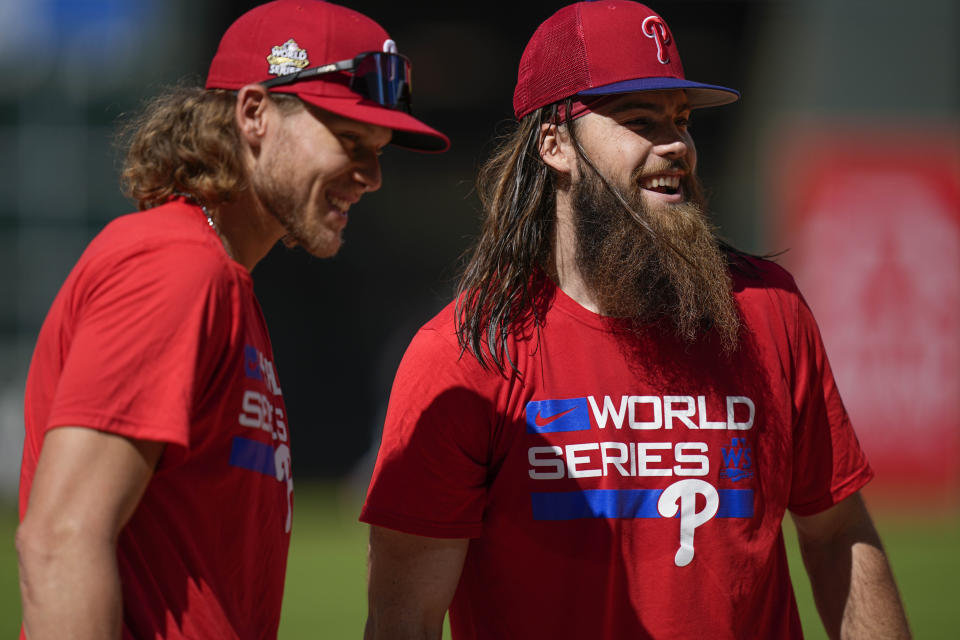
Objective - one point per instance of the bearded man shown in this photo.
(156, 485)
(601, 436)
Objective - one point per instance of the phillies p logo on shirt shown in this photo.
(620, 458)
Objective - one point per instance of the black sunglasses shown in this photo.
(378, 76)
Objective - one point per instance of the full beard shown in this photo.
(279, 200)
(635, 274)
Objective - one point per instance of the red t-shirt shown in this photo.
(623, 485)
(157, 335)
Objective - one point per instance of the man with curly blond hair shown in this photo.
(156, 488)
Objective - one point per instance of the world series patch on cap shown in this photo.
(603, 48)
(330, 56)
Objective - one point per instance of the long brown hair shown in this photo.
(517, 193)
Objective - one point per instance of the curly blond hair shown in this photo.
(183, 141)
(186, 141)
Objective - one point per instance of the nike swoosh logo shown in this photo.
(542, 422)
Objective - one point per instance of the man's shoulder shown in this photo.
(175, 234)
(175, 220)
(752, 273)
(436, 347)
(439, 332)
(769, 298)
(444, 321)
(167, 253)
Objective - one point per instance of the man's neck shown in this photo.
(247, 230)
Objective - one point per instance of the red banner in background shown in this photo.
(871, 221)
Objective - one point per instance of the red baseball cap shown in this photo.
(283, 37)
(601, 48)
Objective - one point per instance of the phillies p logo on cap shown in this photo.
(604, 48)
(654, 27)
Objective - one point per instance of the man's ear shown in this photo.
(555, 149)
(251, 111)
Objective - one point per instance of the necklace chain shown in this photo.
(216, 229)
(213, 225)
(210, 221)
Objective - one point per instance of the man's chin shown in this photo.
(324, 244)
(326, 248)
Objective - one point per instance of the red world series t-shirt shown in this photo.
(157, 335)
(624, 486)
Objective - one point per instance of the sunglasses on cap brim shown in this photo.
(381, 77)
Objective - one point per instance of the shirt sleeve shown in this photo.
(828, 464)
(143, 322)
(431, 474)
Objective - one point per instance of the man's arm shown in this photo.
(853, 586)
(411, 583)
(86, 486)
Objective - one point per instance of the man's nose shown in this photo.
(676, 147)
(368, 173)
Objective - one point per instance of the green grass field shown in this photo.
(325, 591)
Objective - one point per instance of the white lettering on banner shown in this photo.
(681, 456)
(253, 410)
(655, 412)
(257, 412)
(556, 463)
(284, 472)
(704, 423)
(732, 402)
(608, 408)
(606, 459)
(682, 495)
(682, 414)
(281, 427)
(654, 402)
(641, 459)
(573, 460)
(269, 375)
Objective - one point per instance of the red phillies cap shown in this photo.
(286, 36)
(601, 48)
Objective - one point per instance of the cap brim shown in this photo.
(699, 94)
(408, 132)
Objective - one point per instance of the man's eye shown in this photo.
(683, 123)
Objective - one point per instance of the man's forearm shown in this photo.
(853, 586)
(412, 580)
(873, 608)
(86, 487)
(400, 626)
(69, 588)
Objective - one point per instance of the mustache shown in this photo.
(677, 165)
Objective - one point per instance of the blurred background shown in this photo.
(844, 152)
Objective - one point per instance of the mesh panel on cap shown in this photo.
(554, 65)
